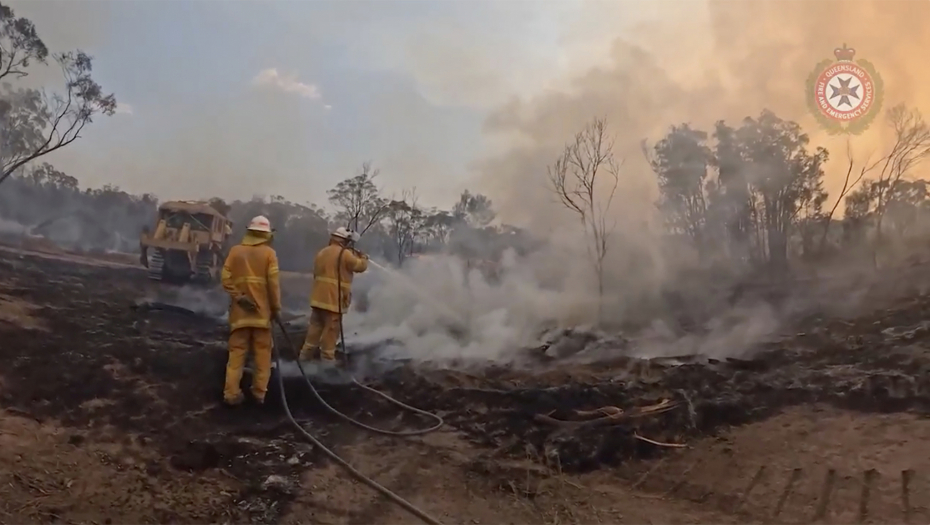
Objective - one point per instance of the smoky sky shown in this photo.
(449, 95)
(721, 60)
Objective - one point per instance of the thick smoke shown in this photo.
(721, 60)
(47, 203)
(728, 60)
(12, 228)
(693, 62)
(438, 309)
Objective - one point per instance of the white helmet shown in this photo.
(345, 233)
(260, 224)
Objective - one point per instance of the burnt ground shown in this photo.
(111, 413)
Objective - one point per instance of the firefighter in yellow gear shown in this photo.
(327, 300)
(250, 277)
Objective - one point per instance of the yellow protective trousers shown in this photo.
(240, 339)
(323, 333)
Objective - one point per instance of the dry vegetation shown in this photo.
(141, 435)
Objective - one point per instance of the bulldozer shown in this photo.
(189, 245)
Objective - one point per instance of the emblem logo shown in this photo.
(844, 95)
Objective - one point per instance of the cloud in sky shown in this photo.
(123, 108)
(408, 83)
(287, 82)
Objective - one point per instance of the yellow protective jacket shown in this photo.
(325, 294)
(251, 269)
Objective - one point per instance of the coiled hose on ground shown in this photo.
(406, 505)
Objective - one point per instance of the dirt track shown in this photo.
(112, 413)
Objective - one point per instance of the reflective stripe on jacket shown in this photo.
(325, 294)
(251, 269)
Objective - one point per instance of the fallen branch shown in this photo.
(613, 415)
(659, 443)
(22, 413)
(30, 484)
(605, 411)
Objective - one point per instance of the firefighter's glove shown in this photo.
(246, 303)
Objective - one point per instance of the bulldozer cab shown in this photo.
(191, 222)
(190, 242)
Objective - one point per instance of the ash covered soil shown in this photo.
(111, 413)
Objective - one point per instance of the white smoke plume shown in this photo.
(438, 310)
(703, 62)
(711, 60)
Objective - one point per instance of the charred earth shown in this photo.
(110, 411)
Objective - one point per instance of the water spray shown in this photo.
(411, 285)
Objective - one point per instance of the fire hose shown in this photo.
(393, 497)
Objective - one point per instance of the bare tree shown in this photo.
(358, 200)
(576, 177)
(849, 183)
(911, 146)
(34, 123)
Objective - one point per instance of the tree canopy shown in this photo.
(35, 122)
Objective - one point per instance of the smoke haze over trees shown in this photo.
(750, 193)
(737, 195)
(50, 203)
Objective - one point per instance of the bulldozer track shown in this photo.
(204, 269)
(203, 273)
(156, 265)
(869, 494)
